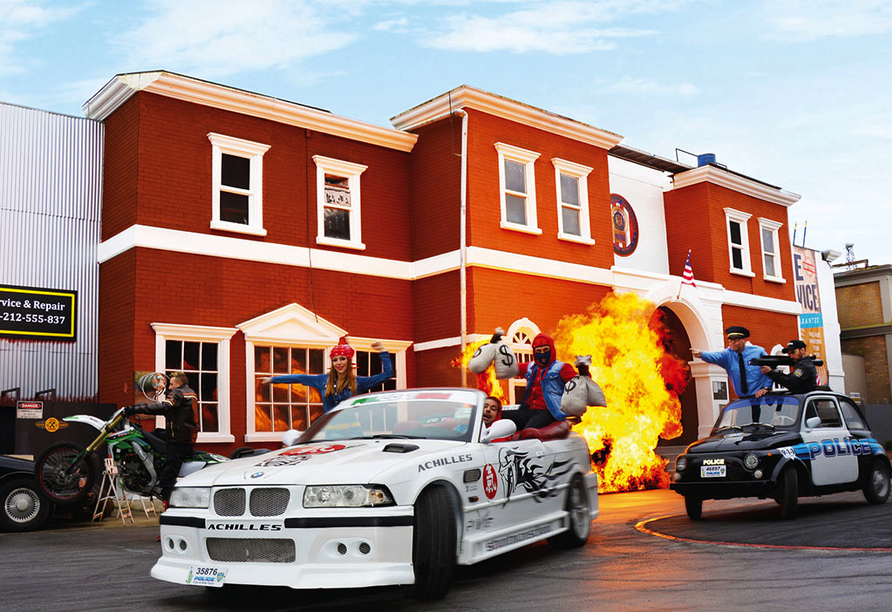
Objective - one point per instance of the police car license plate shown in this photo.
(204, 575)
(712, 471)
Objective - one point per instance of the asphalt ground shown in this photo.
(838, 521)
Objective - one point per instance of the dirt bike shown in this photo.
(65, 471)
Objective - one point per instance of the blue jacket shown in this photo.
(552, 387)
(728, 359)
(319, 382)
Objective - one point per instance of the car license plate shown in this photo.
(712, 471)
(205, 575)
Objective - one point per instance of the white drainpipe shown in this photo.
(463, 251)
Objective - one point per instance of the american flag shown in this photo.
(688, 277)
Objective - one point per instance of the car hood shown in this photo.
(336, 462)
(742, 440)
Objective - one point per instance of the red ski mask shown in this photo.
(543, 357)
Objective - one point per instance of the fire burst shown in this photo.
(640, 381)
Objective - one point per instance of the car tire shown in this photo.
(433, 543)
(23, 509)
(876, 486)
(788, 493)
(579, 516)
(694, 507)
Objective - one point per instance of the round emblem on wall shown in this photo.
(625, 226)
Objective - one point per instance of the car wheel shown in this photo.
(23, 508)
(788, 493)
(433, 543)
(579, 516)
(876, 487)
(694, 507)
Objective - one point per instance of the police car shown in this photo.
(390, 488)
(782, 447)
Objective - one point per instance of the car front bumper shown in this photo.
(338, 550)
(725, 490)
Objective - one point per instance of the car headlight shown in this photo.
(346, 496)
(681, 462)
(190, 497)
(750, 461)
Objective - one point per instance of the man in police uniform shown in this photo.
(747, 380)
(179, 414)
(803, 377)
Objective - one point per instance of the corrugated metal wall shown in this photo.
(50, 202)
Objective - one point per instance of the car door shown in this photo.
(517, 471)
(832, 459)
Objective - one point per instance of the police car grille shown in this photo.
(243, 550)
(229, 502)
(269, 502)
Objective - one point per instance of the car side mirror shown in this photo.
(813, 422)
(500, 429)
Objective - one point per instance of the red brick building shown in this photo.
(242, 235)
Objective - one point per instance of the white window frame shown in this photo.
(523, 351)
(527, 159)
(580, 173)
(773, 227)
(351, 172)
(198, 333)
(254, 152)
(740, 217)
(398, 348)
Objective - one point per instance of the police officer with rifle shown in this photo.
(803, 376)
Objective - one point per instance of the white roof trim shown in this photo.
(120, 88)
(469, 97)
(741, 184)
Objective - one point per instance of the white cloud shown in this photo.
(20, 20)
(805, 20)
(652, 87)
(392, 25)
(558, 28)
(217, 38)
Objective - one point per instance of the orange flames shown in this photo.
(640, 380)
(632, 368)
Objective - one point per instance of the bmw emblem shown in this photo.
(256, 474)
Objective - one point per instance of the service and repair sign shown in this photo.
(32, 313)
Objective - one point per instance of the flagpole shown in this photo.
(680, 283)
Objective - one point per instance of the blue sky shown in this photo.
(796, 93)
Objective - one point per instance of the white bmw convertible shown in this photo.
(390, 488)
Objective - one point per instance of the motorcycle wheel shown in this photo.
(64, 474)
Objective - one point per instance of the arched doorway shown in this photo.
(677, 344)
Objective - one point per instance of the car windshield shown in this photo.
(424, 414)
(750, 412)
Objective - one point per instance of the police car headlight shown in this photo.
(750, 461)
(346, 496)
(190, 497)
(681, 463)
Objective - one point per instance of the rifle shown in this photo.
(773, 361)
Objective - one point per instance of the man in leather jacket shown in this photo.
(803, 375)
(178, 410)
